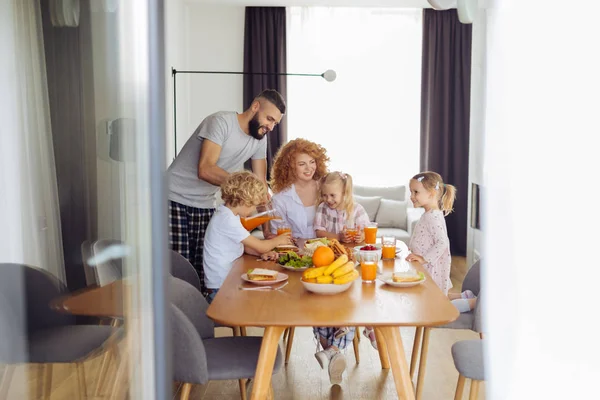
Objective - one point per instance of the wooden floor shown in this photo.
(302, 378)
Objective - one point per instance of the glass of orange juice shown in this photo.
(388, 250)
(368, 266)
(351, 230)
(283, 228)
(370, 233)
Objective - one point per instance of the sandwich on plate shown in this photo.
(261, 274)
(407, 276)
(286, 248)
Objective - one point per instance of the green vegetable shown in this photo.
(292, 259)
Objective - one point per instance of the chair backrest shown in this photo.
(37, 288)
(86, 254)
(477, 321)
(191, 302)
(181, 268)
(107, 271)
(472, 280)
(189, 355)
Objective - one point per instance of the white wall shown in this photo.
(206, 37)
(477, 126)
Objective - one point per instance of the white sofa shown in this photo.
(390, 208)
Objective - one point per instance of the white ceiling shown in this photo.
(340, 3)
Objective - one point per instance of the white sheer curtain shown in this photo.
(369, 117)
(29, 213)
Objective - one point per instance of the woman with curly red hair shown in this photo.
(297, 168)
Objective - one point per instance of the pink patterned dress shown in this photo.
(430, 240)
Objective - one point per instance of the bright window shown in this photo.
(369, 117)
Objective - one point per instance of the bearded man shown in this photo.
(220, 145)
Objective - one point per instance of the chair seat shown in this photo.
(68, 344)
(468, 358)
(464, 321)
(234, 357)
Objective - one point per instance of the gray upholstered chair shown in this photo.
(181, 268)
(468, 360)
(107, 271)
(470, 320)
(225, 357)
(32, 332)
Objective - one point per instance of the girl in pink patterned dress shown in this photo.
(429, 244)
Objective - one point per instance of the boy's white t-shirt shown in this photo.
(222, 245)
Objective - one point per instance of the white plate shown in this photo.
(280, 278)
(326, 288)
(387, 278)
(294, 269)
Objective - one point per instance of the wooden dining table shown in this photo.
(382, 306)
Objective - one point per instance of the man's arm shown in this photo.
(259, 167)
(207, 165)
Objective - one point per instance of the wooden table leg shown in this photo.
(266, 360)
(423, 362)
(415, 351)
(382, 349)
(288, 348)
(397, 360)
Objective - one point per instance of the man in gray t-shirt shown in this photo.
(222, 143)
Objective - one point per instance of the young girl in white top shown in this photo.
(429, 244)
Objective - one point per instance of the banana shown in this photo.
(313, 272)
(344, 269)
(324, 279)
(349, 277)
(311, 280)
(341, 260)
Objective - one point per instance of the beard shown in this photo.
(254, 128)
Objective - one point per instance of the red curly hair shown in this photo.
(283, 169)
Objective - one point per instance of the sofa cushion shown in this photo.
(370, 204)
(389, 192)
(391, 214)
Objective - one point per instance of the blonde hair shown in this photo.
(243, 188)
(346, 181)
(432, 182)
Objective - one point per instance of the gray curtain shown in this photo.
(445, 110)
(69, 74)
(265, 51)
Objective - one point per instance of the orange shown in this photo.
(323, 256)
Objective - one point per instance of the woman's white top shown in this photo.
(293, 212)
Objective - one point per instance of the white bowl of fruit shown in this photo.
(330, 279)
(367, 248)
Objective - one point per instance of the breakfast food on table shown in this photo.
(339, 249)
(323, 256)
(349, 277)
(369, 247)
(292, 259)
(261, 274)
(340, 271)
(286, 249)
(407, 276)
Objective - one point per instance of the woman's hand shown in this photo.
(270, 255)
(415, 257)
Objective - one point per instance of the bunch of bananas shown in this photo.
(338, 272)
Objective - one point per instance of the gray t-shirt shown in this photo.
(237, 147)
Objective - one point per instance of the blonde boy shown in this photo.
(226, 239)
